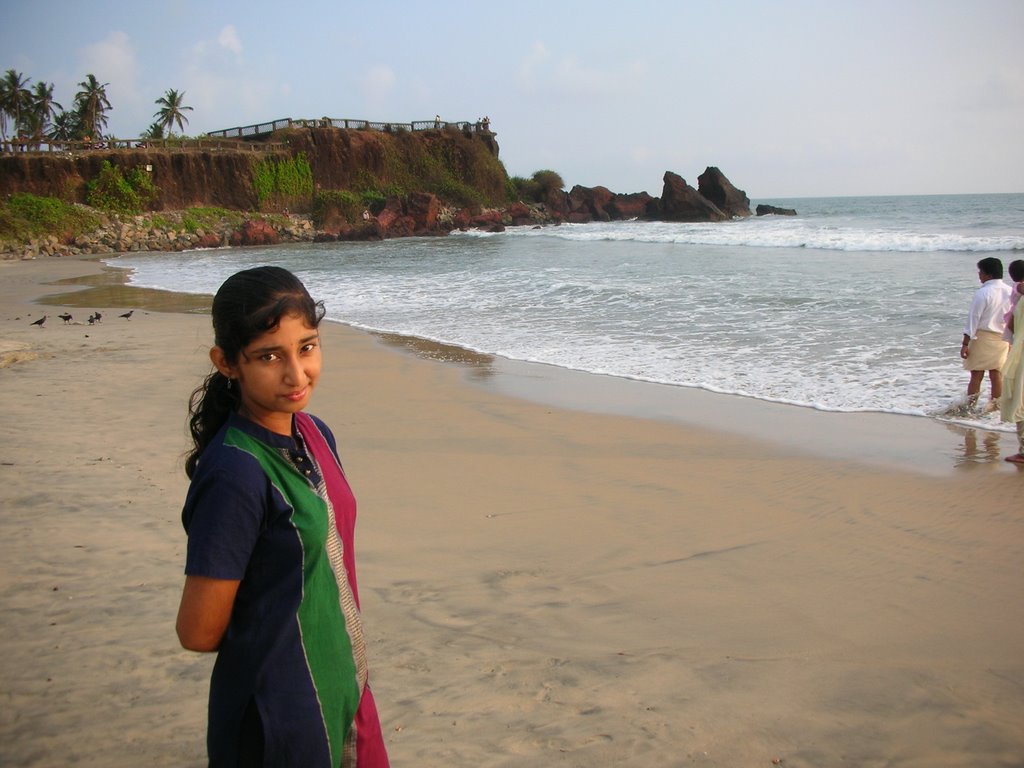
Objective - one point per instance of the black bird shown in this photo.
(65, 317)
(40, 321)
(127, 315)
(98, 316)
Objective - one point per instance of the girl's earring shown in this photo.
(231, 384)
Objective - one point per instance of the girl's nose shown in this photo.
(293, 371)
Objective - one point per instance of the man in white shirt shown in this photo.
(984, 348)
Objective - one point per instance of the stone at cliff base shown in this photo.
(713, 186)
(681, 202)
(632, 206)
(255, 232)
(591, 200)
(519, 212)
(462, 219)
(765, 210)
(423, 207)
(486, 219)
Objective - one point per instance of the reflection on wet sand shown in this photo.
(979, 446)
(481, 366)
(108, 289)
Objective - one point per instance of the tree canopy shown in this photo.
(171, 110)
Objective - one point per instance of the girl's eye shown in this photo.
(309, 347)
(269, 357)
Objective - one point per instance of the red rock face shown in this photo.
(255, 232)
(423, 208)
(632, 206)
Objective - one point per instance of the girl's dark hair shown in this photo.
(249, 303)
(1016, 270)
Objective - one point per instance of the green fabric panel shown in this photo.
(325, 639)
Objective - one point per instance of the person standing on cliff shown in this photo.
(984, 348)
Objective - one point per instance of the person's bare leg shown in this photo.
(974, 387)
(996, 378)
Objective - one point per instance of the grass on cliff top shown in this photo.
(24, 216)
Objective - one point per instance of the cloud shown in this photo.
(566, 76)
(377, 84)
(228, 39)
(111, 56)
(533, 62)
(113, 60)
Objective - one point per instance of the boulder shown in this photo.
(462, 219)
(713, 186)
(681, 202)
(486, 219)
(423, 208)
(520, 214)
(765, 210)
(255, 232)
(632, 206)
(592, 200)
(209, 240)
(557, 202)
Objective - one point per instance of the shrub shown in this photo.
(24, 215)
(548, 181)
(110, 191)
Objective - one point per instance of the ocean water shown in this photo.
(856, 304)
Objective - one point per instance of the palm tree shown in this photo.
(65, 127)
(91, 104)
(171, 110)
(43, 109)
(15, 99)
(155, 131)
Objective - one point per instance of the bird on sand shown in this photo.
(40, 321)
(94, 318)
(66, 317)
(127, 315)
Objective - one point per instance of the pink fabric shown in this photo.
(340, 494)
(370, 749)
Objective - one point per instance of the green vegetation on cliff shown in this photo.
(460, 169)
(283, 183)
(25, 216)
(116, 192)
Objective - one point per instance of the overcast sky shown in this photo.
(787, 98)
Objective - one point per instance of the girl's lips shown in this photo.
(296, 396)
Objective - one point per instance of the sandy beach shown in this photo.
(555, 569)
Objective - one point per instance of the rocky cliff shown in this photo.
(447, 163)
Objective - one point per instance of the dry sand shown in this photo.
(541, 586)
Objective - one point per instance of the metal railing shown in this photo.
(19, 146)
(262, 129)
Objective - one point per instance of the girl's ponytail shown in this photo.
(208, 408)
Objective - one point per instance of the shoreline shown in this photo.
(540, 585)
(905, 442)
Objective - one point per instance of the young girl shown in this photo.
(270, 571)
